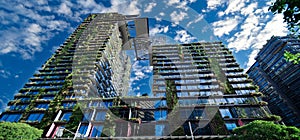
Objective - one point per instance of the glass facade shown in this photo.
(278, 79)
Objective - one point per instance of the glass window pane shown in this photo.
(159, 129)
(230, 126)
(66, 116)
(225, 113)
(97, 130)
(100, 116)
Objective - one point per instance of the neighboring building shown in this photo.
(278, 79)
(83, 87)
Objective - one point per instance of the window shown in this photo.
(18, 107)
(94, 103)
(225, 113)
(159, 129)
(197, 114)
(160, 103)
(66, 116)
(97, 130)
(11, 117)
(230, 126)
(108, 104)
(69, 104)
(35, 117)
(24, 99)
(44, 106)
(47, 98)
(82, 129)
(185, 113)
(100, 116)
(87, 116)
(160, 115)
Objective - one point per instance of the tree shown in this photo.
(265, 130)
(291, 13)
(11, 131)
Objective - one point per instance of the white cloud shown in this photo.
(235, 6)
(213, 4)
(225, 26)
(140, 71)
(172, 2)
(199, 18)
(177, 17)
(65, 9)
(150, 7)
(251, 57)
(183, 37)
(87, 3)
(220, 13)
(158, 29)
(58, 25)
(266, 33)
(254, 33)
(249, 9)
(249, 25)
(41, 2)
(123, 7)
(34, 28)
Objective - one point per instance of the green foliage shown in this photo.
(294, 58)
(178, 132)
(224, 83)
(171, 94)
(109, 125)
(215, 67)
(217, 125)
(265, 130)
(12, 131)
(274, 118)
(75, 118)
(291, 12)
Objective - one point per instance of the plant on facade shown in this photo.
(241, 112)
(75, 118)
(294, 58)
(217, 125)
(109, 125)
(180, 53)
(10, 131)
(263, 103)
(224, 83)
(256, 94)
(171, 94)
(265, 130)
(274, 118)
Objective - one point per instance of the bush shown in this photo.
(265, 130)
(11, 131)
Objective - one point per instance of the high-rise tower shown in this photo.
(81, 91)
(278, 79)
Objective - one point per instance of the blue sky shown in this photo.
(30, 31)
